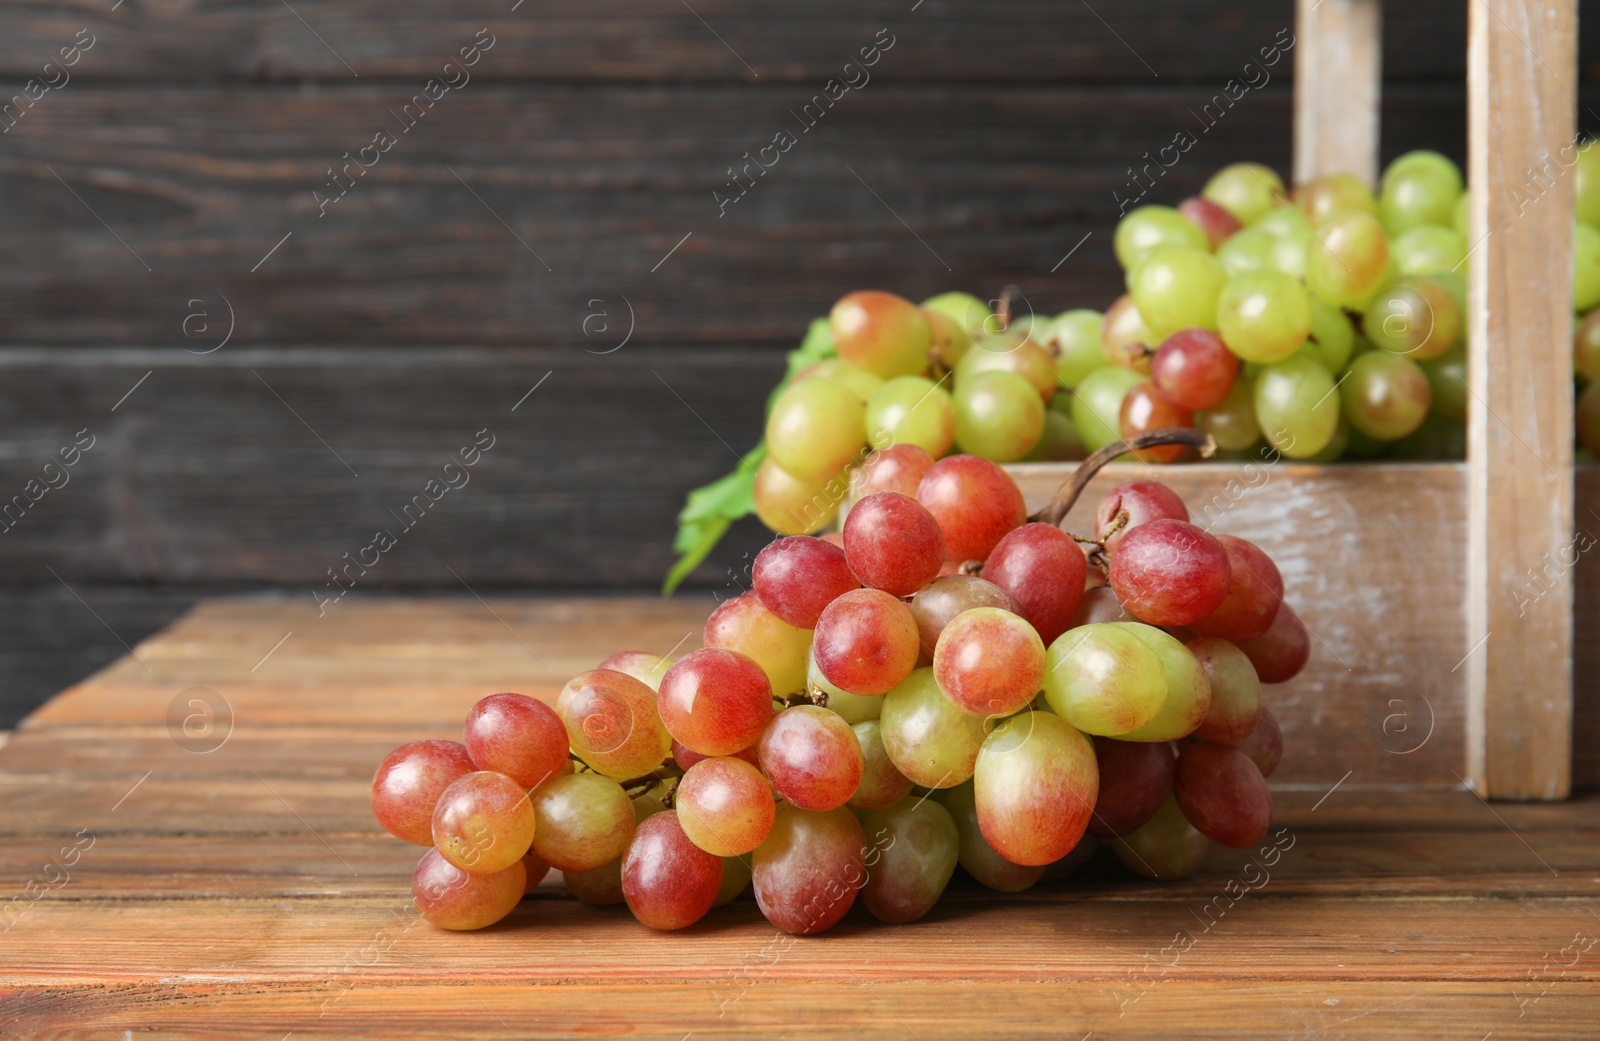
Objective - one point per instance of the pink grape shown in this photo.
(811, 757)
(1255, 589)
(450, 898)
(725, 805)
(1235, 691)
(667, 880)
(1124, 336)
(408, 784)
(1036, 785)
(798, 576)
(483, 822)
(601, 887)
(866, 642)
(715, 701)
(1193, 369)
(893, 543)
(942, 599)
(517, 736)
(918, 843)
(1142, 501)
(974, 502)
(1282, 651)
(744, 624)
(535, 870)
(1169, 572)
(989, 662)
(1167, 847)
(898, 468)
(881, 333)
(1135, 779)
(1218, 224)
(1264, 746)
(1223, 794)
(881, 783)
(1042, 568)
(686, 757)
(1144, 410)
(612, 723)
(809, 869)
(976, 856)
(1099, 605)
(643, 666)
(581, 821)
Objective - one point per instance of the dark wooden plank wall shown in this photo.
(457, 272)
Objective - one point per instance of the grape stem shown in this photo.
(1073, 487)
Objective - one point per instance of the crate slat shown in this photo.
(1338, 73)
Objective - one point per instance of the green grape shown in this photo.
(950, 341)
(1586, 347)
(1586, 184)
(1232, 424)
(1333, 338)
(1447, 376)
(1427, 249)
(815, 428)
(919, 844)
(1012, 352)
(1177, 288)
(1097, 406)
(1264, 316)
(976, 856)
(929, 739)
(1285, 222)
(1187, 688)
(964, 309)
(1586, 268)
(1076, 339)
(1334, 450)
(1385, 396)
(1335, 194)
(736, 872)
(861, 382)
(582, 821)
(1423, 159)
(999, 416)
(1419, 189)
(1296, 407)
(1060, 441)
(1149, 229)
(853, 708)
(1246, 190)
(1462, 221)
(1167, 847)
(1416, 316)
(1360, 446)
(791, 506)
(1248, 250)
(1437, 438)
(1103, 680)
(1348, 259)
(1289, 256)
(911, 410)
(1124, 338)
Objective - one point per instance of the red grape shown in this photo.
(1036, 785)
(667, 880)
(1169, 572)
(1235, 691)
(808, 871)
(725, 805)
(975, 503)
(893, 543)
(715, 701)
(898, 468)
(1135, 779)
(798, 576)
(408, 784)
(1264, 746)
(947, 596)
(1255, 590)
(1166, 847)
(612, 723)
(454, 899)
(866, 642)
(517, 736)
(643, 666)
(882, 333)
(1282, 651)
(535, 869)
(989, 662)
(1099, 605)
(1043, 570)
(976, 855)
(744, 624)
(686, 757)
(1223, 794)
(1144, 410)
(881, 783)
(483, 822)
(918, 843)
(1143, 501)
(1193, 369)
(1218, 224)
(811, 757)
(601, 887)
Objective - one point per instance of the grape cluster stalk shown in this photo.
(945, 682)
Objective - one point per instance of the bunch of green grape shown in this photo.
(1586, 295)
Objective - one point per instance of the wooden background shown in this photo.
(461, 270)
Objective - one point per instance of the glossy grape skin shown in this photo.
(1232, 424)
(917, 844)
(1167, 847)
(1255, 589)
(1103, 680)
(1447, 380)
(975, 503)
(999, 416)
(1587, 418)
(791, 506)
(1097, 406)
(861, 383)
(881, 784)
(1248, 250)
(408, 783)
(1235, 691)
(1418, 189)
(1282, 651)
(912, 410)
(1215, 220)
(967, 311)
(1264, 316)
(643, 666)
(881, 333)
(1223, 794)
(797, 577)
(1188, 696)
(515, 735)
(1060, 441)
(1296, 406)
(534, 871)
(1147, 230)
(951, 340)
(928, 738)
(1144, 501)
(1177, 288)
(744, 624)
(852, 708)
(811, 758)
(685, 757)
(1332, 338)
(1428, 249)
(450, 898)
(736, 875)
(899, 468)
(601, 887)
(1348, 259)
(974, 853)
(1385, 396)
(1586, 347)
(1035, 785)
(1145, 410)
(715, 701)
(667, 880)
(1169, 572)
(947, 596)
(815, 428)
(1334, 194)
(1075, 342)
(1099, 605)
(1124, 336)
(725, 806)
(483, 822)
(866, 642)
(1135, 779)
(1419, 317)
(1586, 267)
(1042, 569)
(612, 723)
(808, 871)
(1193, 369)
(1246, 190)
(1264, 746)
(583, 821)
(989, 662)
(892, 543)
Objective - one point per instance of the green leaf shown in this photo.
(695, 541)
(817, 346)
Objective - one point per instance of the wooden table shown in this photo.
(244, 891)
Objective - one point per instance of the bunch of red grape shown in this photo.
(942, 683)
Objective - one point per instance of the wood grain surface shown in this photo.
(244, 891)
(1338, 87)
